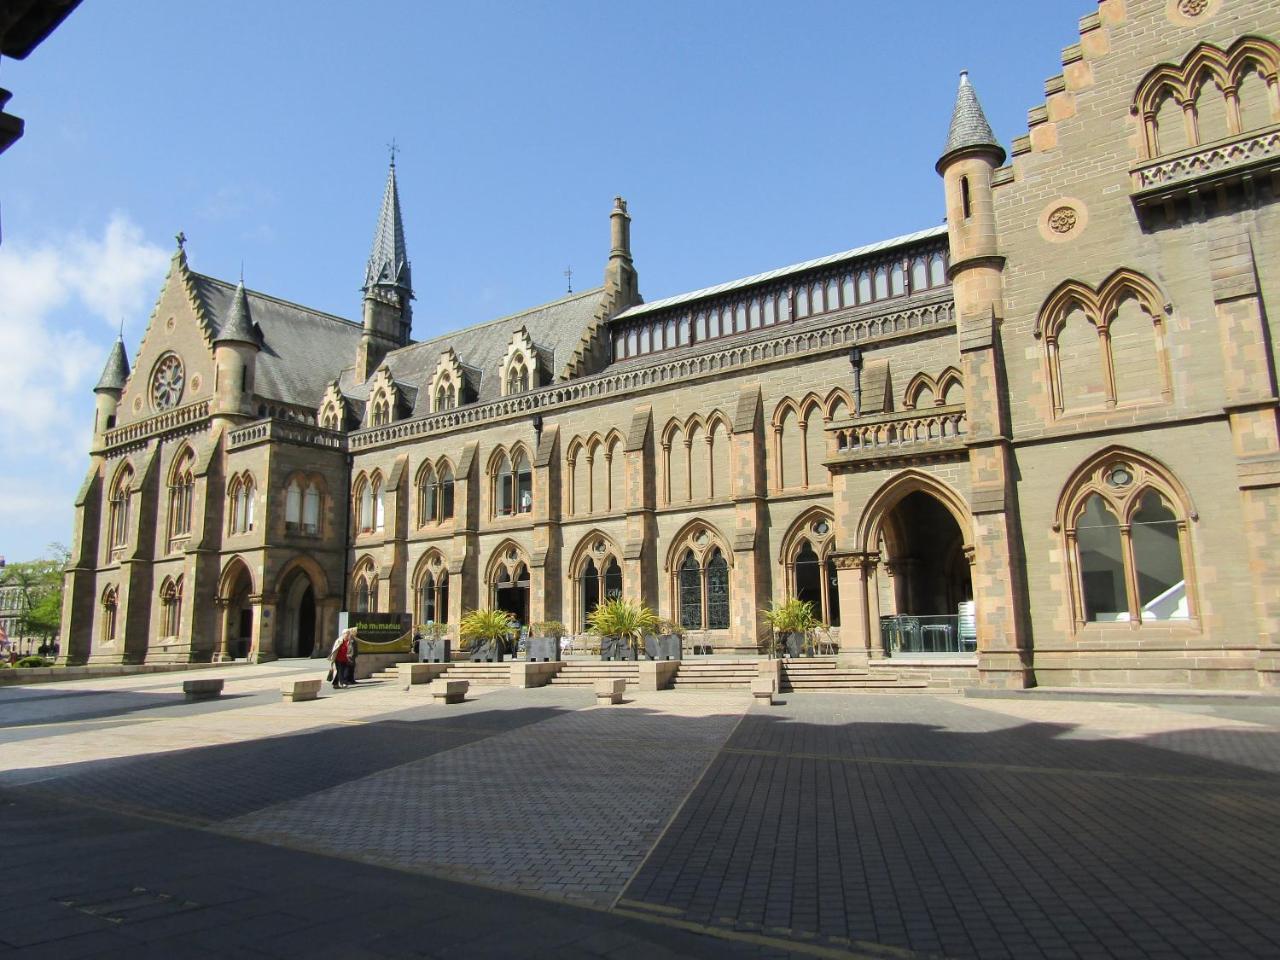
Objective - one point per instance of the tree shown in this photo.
(38, 584)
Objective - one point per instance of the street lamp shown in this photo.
(855, 361)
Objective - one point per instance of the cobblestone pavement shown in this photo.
(882, 825)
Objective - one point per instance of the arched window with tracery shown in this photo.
(379, 502)
(302, 506)
(110, 604)
(364, 584)
(517, 375)
(242, 503)
(432, 591)
(809, 565)
(435, 493)
(1127, 530)
(446, 393)
(700, 582)
(170, 607)
(512, 483)
(381, 410)
(120, 508)
(181, 494)
(362, 498)
(596, 576)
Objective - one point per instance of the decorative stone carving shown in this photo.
(1193, 8)
(1063, 220)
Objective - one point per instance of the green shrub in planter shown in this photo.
(484, 631)
(627, 621)
(790, 620)
(34, 662)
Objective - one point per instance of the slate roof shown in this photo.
(555, 329)
(969, 126)
(302, 349)
(116, 372)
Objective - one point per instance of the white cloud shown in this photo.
(50, 357)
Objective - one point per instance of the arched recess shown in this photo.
(507, 577)
(922, 390)
(921, 530)
(235, 588)
(595, 574)
(1125, 520)
(364, 586)
(300, 589)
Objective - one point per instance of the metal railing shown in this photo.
(939, 633)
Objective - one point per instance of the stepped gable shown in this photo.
(302, 349)
(555, 329)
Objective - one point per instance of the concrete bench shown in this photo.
(202, 689)
(450, 691)
(610, 691)
(412, 674)
(762, 690)
(296, 690)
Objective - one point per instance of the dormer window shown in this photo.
(517, 376)
(446, 394)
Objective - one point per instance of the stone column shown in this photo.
(263, 647)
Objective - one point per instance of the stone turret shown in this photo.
(107, 393)
(235, 355)
(388, 286)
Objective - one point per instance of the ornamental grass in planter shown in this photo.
(790, 620)
(544, 640)
(621, 624)
(484, 631)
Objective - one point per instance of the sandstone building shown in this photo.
(1061, 406)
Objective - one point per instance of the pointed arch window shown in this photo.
(598, 577)
(379, 504)
(446, 393)
(119, 512)
(435, 494)
(366, 588)
(701, 584)
(242, 504)
(433, 593)
(311, 509)
(110, 603)
(811, 570)
(512, 484)
(1129, 547)
(181, 493)
(381, 411)
(517, 375)
(171, 607)
(364, 506)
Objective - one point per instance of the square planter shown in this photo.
(795, 644)
(489, 651)
(616, 648)
(434, 651)
(544, 648)
(664, 647)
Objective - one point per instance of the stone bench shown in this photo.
(296, 690)
(762, 690)
(450, 691)
(202, 689)
(610, 691)
(412, 674)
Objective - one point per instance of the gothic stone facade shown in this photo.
(1062, 406)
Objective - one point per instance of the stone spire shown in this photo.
(388, 263)
(969, 126)
(116, 372)
(238, 328)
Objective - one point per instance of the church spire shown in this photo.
(388, 262)
(969, 126)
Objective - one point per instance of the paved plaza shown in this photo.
(376, 823)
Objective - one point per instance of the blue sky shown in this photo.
(744, 135)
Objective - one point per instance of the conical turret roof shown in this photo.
(116, 372)
(388, 262)
(969, 126)
(237, 327)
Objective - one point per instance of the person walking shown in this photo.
(338, 657)
(352, 652)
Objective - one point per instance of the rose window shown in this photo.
(167, 383)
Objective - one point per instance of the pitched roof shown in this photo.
(555, 329)
(116, 372)
(302, 349)
(388, 261)
(969, 126)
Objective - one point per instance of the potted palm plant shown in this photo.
(433, 643)
(621, 624)
(790, 621)
(544, 640)
(484, 631)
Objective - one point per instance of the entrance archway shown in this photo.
(511, 592)
(298, 620)
(924, 549)
(234, 593)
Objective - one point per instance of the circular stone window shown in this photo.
(821, 528)
(167, 382)
(1120, 476)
